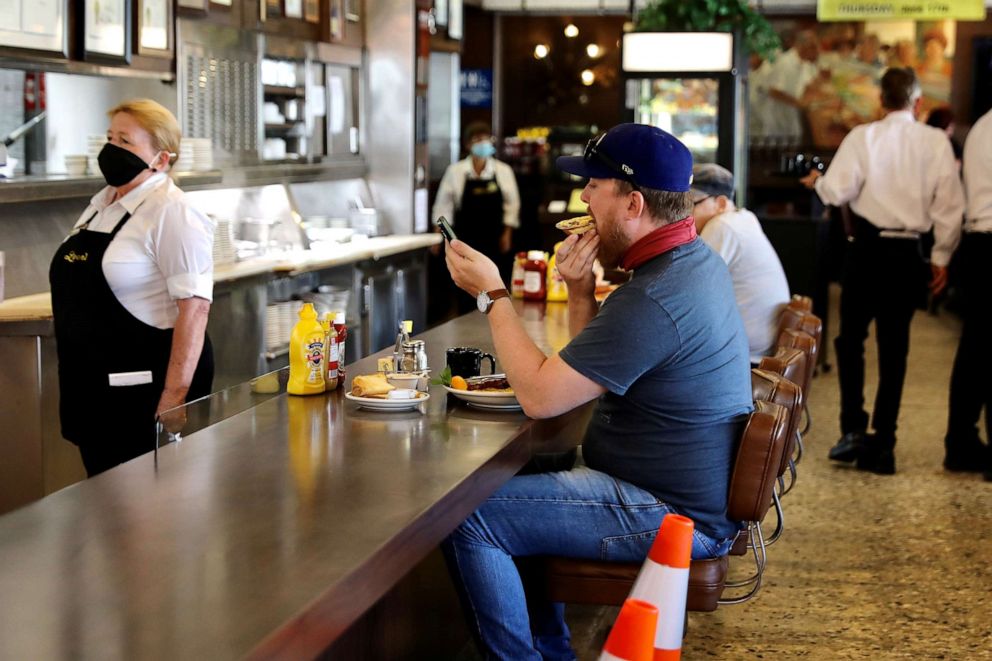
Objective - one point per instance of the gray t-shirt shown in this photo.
(670, 349)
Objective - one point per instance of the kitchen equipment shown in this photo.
(364, 221)
(258, 230)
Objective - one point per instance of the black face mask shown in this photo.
(119, 166)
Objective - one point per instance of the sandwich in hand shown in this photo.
(579, 225)
(371, 385)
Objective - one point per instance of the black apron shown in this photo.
(479, 219)
(96, 336)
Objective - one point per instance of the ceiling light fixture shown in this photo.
(541, 51)
(588, 77)
(571, 31)
(593, 50)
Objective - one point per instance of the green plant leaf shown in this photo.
(444, 378)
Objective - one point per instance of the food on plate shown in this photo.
(490, 384)
(458, 383)
(371, 385)
(579, 225)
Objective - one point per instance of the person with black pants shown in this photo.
(971, 389)
(901, 181)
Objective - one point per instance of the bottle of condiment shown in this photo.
(306, 354)
(403, 336)
(557, 289)
(517, 277)
(535, 276)
(331, 364)
(342, 330)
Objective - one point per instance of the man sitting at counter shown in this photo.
(667, 358)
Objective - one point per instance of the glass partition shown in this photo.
(184, 420)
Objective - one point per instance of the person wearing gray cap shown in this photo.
(760, 286)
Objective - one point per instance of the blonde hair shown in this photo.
(155, 118)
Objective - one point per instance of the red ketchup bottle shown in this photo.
(535, 276)
(342, 332)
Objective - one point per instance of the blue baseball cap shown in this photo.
(640, 154)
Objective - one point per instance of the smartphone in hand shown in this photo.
(446, 230)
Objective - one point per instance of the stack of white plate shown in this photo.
(94, 143)
(75, 164)
(203, 154)
(224, 250)
(290, 315)
(273, 326)
(195, 154)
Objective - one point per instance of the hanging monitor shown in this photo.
(678, 51)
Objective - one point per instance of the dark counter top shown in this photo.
(266, 534)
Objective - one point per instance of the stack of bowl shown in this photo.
(75, 165)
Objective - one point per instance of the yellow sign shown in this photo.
(854, 10)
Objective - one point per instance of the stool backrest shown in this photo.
(787, 362)
(796, 339)
(801, 303)
(759, 455)
(770, 387)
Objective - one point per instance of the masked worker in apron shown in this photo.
(131, 291)
(479, 196)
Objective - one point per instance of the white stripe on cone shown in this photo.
(665, 588)
(606, 656)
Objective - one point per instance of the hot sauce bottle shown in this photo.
(535, 276)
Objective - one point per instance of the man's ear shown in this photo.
(636, 205)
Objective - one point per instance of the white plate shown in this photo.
(502, 401)
(375, 404)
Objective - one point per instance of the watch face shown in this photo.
(482, 301)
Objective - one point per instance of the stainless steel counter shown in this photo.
(265, 535)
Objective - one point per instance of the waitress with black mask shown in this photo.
(479, 194)
(131, 292)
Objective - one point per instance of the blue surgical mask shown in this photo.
(483, 149)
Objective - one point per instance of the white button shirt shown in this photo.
(449, 193)
(790, 74)
(899, 174)
(978, 175)
(163, 253)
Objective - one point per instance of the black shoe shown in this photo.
(973, 457)
(880, 462)
(848, 447)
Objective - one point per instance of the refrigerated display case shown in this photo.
(690, 84)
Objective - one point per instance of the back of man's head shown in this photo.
(900, 89)
(643, 158)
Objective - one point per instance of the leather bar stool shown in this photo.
(792, 364)
(756, 464)
(801, 303)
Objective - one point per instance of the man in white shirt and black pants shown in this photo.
(970, 384)
(900, 179)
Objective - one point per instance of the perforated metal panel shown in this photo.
(219, 78)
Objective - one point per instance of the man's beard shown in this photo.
(613, 244)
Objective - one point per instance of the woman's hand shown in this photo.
(574, 260)
(472, 271)
(171, 412)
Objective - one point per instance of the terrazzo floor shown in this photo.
(869, 567)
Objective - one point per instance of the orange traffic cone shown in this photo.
(664, 582)
(633, 633)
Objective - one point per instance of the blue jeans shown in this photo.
(580, 513)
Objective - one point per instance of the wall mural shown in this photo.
(825, 82)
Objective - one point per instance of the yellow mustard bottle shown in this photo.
(306, 354)
(557, 289)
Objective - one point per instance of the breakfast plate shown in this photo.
(500, 401)
(377, 404)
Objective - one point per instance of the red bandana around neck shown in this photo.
(659, 241)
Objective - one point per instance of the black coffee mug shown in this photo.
(466, 361)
